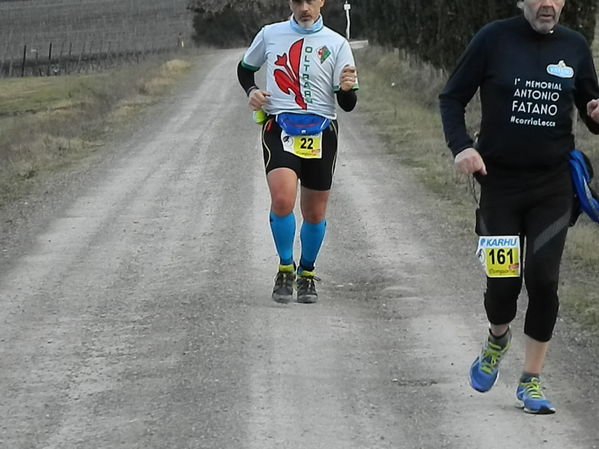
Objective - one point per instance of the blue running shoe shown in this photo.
(485, 369)
(532, 399)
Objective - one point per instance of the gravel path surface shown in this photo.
(135, 305)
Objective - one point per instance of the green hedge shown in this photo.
(235, 23)
(439, 32)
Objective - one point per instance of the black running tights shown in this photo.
(540, 216)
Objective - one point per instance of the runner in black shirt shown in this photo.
(531, 73)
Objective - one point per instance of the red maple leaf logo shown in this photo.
(288, 78)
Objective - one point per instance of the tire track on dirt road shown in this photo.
(140, 315)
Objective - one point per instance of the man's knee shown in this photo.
(501, 299)
(314, 217)
(282, 204)
(541, 317)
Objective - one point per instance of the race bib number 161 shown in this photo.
(500, 255)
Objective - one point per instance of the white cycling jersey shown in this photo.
(303, 68)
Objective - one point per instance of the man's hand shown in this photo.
(470, 161)
(257, 99)
(348, 77)
(593, 110)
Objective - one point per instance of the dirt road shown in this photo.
(135, 306)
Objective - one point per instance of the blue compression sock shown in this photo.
(311, 237)
(283, 232)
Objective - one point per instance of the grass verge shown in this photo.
(402, 101)
(48, 124)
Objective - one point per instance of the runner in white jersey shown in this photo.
(309, 67)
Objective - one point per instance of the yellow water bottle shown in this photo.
(260, 117)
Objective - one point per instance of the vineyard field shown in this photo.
(88, 27)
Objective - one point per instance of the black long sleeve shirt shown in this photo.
(529, 85)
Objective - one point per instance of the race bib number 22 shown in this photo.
(306, 147)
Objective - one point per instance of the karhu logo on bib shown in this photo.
(560, 70)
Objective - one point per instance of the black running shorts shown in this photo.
(315, 174)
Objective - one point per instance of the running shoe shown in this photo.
(284, 280)
(306, 290)
(532, 399)
(485, 369)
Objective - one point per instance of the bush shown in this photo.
(229, 24)
(439, 32)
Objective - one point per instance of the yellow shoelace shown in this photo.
(491, 357)
(533, 388)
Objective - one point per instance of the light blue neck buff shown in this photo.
(316, 26)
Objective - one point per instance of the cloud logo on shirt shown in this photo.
(288, 78)
(560, 70)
